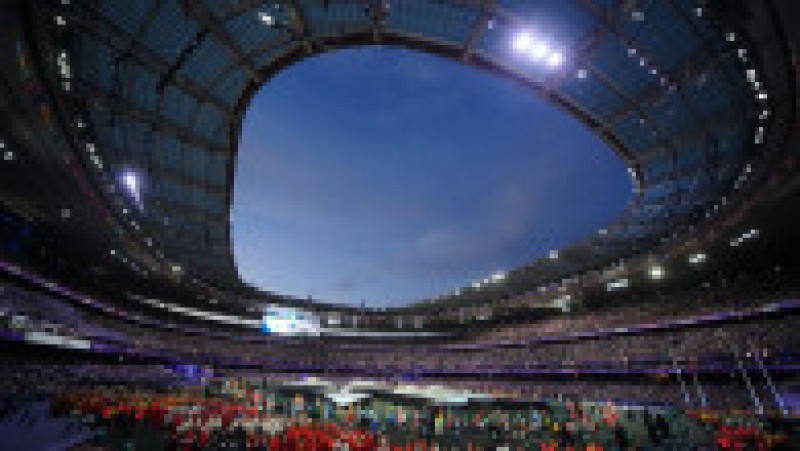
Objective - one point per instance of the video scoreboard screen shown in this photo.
(289, 321)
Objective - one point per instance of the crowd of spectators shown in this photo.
(657, 310)
(761, 343)
(247, 414)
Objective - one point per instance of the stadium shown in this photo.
(126, 322)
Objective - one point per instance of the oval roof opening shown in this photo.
(382, 176)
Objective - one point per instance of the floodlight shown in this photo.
(618, 284)
(539, 50)
(523, 42)
(697, 258)
(266, 18)
(555, 59)
(132, 183)
(657, 272)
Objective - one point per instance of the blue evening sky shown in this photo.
(389, 176)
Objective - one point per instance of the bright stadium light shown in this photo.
(132, 184)
(555, 59)
(523, 42)
(618, 284)
(266, 18)
(539, 50)
(697, 258)
(657, 272)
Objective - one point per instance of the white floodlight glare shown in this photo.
(539, 50)
(618, 284)
(697, 258)
(498, 276)
(555, 59)
(266, 18)
(553, 255)
(131, 181)
(657, 272)
(523, 42)
(132, 184)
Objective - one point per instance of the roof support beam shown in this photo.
(708, 48)
(152, 13)
(99, 95)
(94, 24)
(728, 117)
(654, 92)
(479, 28)
(206, 19)
(260, 50)
(300, 27)
(168, 206)
(186, 52)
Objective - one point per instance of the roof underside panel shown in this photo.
(337, 17)
(126, 14)
(206, 62)
(250, 30)
(625, 70)
(170, 32)
(166, 86)
(441, 21)
(229, 88)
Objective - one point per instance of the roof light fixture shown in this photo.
(539, 50)
(656, 272)
(523, 42)
(555, 59)
(266, 18)
(697, 258)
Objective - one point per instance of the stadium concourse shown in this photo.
(124, 323)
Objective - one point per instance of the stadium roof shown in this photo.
(152, 93)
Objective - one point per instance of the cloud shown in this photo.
(501, 220)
